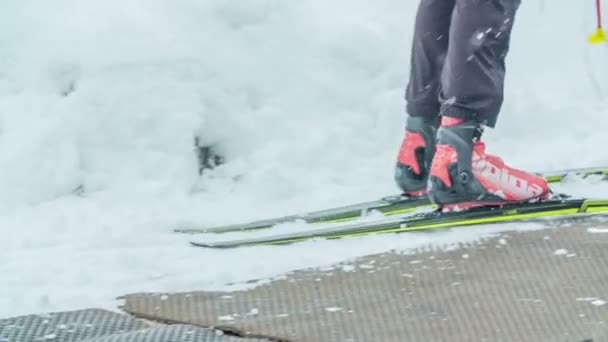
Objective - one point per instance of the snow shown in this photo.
(561, 252)
(592, 300)
(597, 230)
(226, 318)
(100, 101)
(348, 268)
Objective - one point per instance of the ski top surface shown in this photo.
(432, 219)
(389, 205)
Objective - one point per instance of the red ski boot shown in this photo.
(415, 155)
(462, 174)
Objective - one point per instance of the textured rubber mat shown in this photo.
(66, 326)
(170, 333)
(93, 325)
(546, 285)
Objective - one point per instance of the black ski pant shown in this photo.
(458, 58)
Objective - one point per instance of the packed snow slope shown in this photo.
(100, 101)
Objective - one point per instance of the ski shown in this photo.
(432, 219)
(389, 205)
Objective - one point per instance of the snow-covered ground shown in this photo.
(303, 97)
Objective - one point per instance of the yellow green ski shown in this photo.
(388, 206)
(432, 219)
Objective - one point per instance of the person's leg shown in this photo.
(429, 48)
(462, 174)
(472, 80)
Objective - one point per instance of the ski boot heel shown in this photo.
(415, 155)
